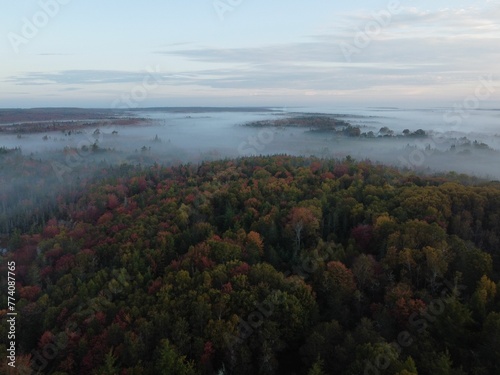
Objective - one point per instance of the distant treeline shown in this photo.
(326, 123)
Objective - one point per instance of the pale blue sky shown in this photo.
(246, 52)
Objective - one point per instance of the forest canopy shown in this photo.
(261, 265)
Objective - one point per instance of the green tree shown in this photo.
(169, 362)
(317, 368)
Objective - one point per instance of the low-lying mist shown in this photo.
(36, 165)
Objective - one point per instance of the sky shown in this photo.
(124, 54)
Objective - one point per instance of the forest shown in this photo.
(255, 265)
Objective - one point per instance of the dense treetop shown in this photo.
(262, 265)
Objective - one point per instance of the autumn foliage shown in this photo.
(264, 265)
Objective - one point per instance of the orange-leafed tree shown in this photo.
(254, 246)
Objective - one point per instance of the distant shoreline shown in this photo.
(21, 115)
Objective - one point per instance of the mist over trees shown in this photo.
(44, 152)
(159, 242)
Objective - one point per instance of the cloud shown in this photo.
(55, 54)
(416, 50)
(84, 77)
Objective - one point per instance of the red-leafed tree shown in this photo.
(363, 235)
(30, 292)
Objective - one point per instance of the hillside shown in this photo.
(261, 265)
